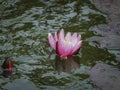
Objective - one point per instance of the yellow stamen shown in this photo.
(68, 42)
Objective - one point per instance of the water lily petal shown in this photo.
(65, 47)
(60, 47)
(55, 36)
(77, 46)
(68, 36)
(74, 35)
(61, 34)
(52, 41)
(79, 38)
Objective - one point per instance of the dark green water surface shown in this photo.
(24, 26)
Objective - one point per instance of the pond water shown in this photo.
(24, 28)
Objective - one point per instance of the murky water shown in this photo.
(24, 25)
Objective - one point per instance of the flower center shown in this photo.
(68, 42)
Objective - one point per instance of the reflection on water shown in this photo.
(66, 65)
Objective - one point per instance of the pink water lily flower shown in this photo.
(65, 45)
